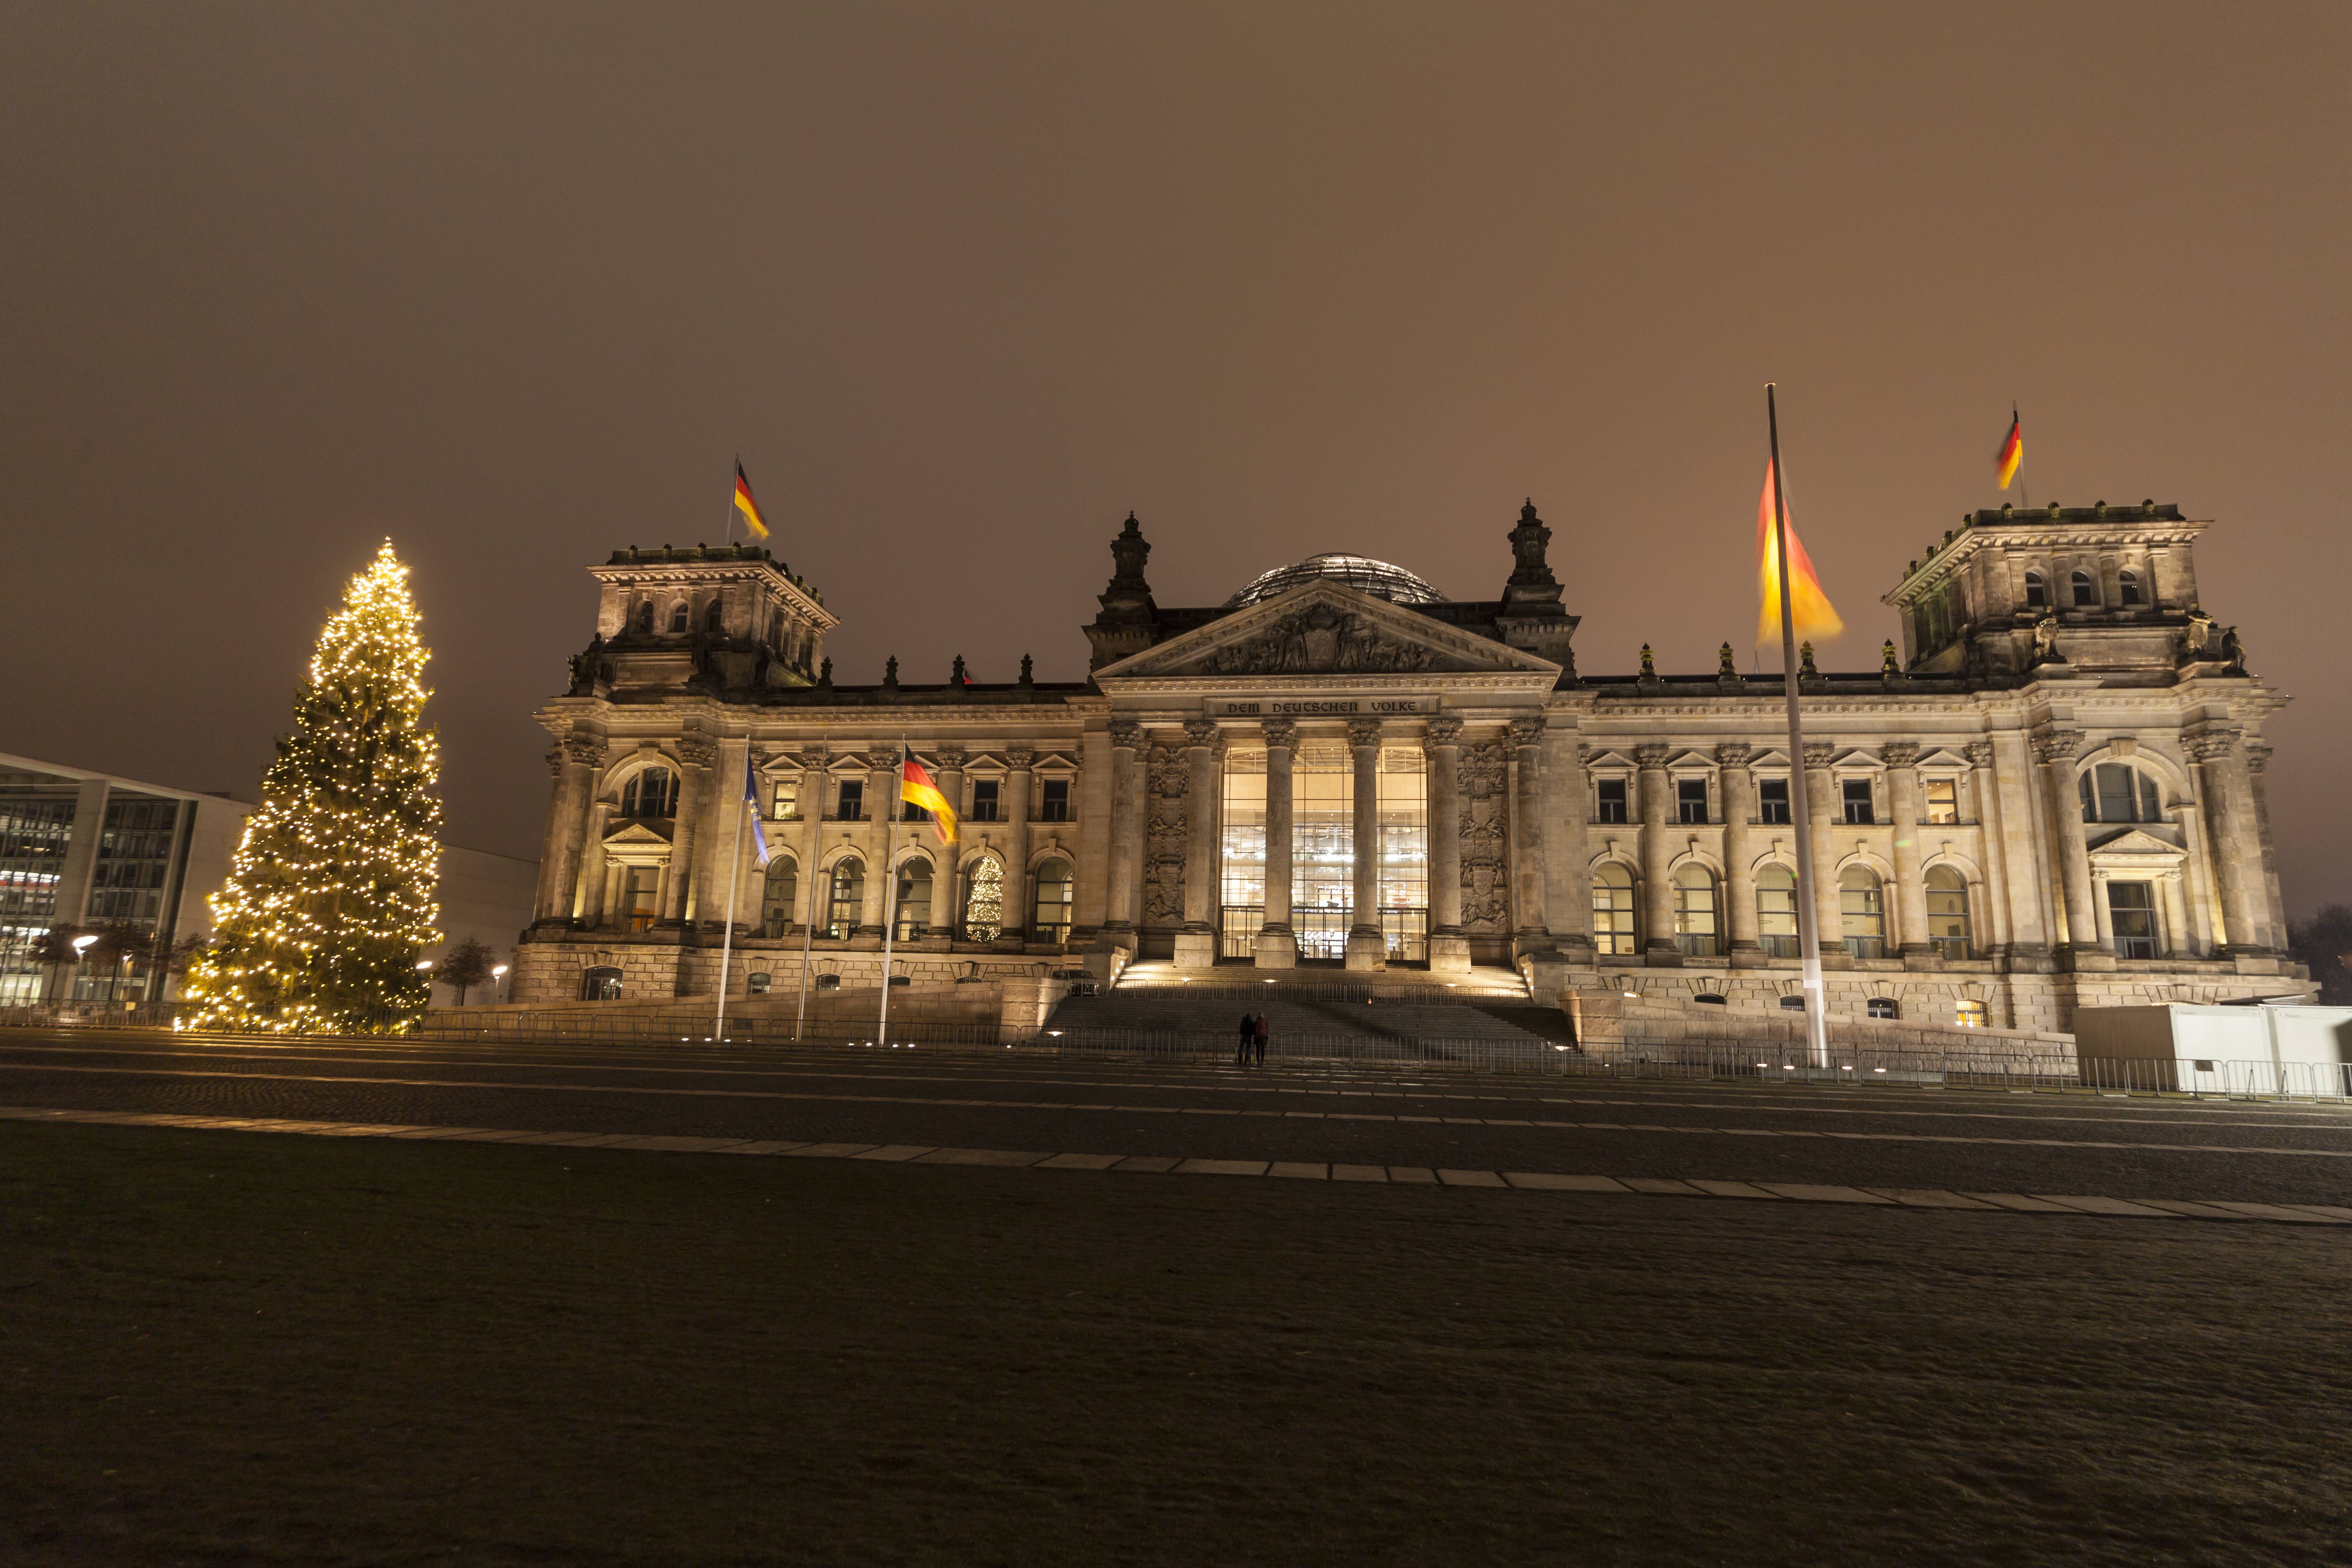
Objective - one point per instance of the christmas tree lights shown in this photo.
(332, 896)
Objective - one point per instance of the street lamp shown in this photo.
(497, 972)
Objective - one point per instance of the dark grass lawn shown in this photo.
(232, 1348)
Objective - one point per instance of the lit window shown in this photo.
(2087, 593)
(1772, 801)
(2037, 591)
(1690, 800)
(760, 984)
(1608, 800)
(1882, 1008)
(1051, 921)
(848, 900)
(1969, 1015)
(914, 911)
(1947, 913)
(1943, 801)
(1612, 909)
(600, 985)
(788, 799)
(1775, 911)
(1694, 931)
(1857, 802)
(638, 889)
(2128, 588)
(983, 901)
(1861, 913)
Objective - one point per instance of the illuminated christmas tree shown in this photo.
(331, 901)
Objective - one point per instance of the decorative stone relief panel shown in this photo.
(1163, 851)
(1324, 640)
(1485, 838)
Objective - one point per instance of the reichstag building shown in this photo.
(2051, 795)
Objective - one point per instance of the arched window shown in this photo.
(760, 984)
(848, 900)
(2128, 588)
(646, 616)
(1051, 919)
(2037, 591)
(1775, 911)
(714, 620)
(2117, 792)
(914, 911)
(781, 900)
(1882, 1008)
(983, 901)
(1694, 931)
(1612, 909)
(651, 791)
(600, 985)
(1947, 913)
(678, 617)
(1861, 913)
(1793, 1003)
(2087, 593)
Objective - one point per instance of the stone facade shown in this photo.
(2052, 795)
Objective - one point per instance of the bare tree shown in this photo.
(54, 949)
(466, 965)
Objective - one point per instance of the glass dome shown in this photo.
(1361, 573)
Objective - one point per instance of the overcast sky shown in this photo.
(962, 284)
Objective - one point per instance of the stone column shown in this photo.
(84, 835)
(1821, 808)
(1020, 901)
(1126, 830)
(2055, 750)
(815, 891)
(2258, 761)
(1656, 807)
(1988, 930)
(1733, 758)
(1568, 897)
(1902, 760)
(947, 890)
(573, 762)
(716, 840)
(1449, 950)
(2231, 830)
(697, 753)
(2101, 911)
(1534, 934)
(2176, 941)
(1277, 945)
(881, 810)
(1196, 942)
(1366, 947)
(2033, 927)
(588, 909)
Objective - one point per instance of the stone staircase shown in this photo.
(1155, 998)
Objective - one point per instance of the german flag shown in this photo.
(747, 506)
(2012, 453)
(1816, 619)
(916, 788)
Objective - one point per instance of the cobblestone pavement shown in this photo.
(1893, 1137)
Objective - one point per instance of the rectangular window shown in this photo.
(638, 890)
(1690, 800)
(2131, 906)
(1054, 800)
(788, 800)
(1322, 850)
(983, 799)
(1773, 800)
(1404, 854)
(1241, 869)
(1608, 800)
(851, 801)
(1857, 802)
(1943, 801)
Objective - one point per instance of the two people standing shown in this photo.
(1250, 1041)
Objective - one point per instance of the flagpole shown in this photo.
(890, 890)
(1809, 934)
(734, 876)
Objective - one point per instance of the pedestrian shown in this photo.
(1261, 1033)
(1248, 1034)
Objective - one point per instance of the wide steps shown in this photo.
(1152, 1011)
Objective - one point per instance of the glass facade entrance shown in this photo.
(1323, 852)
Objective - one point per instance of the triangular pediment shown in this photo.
(2133, 842)
(639, 830)
(1323, 629)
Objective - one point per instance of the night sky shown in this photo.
(964, 284)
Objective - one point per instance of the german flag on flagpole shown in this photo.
(746, 505)
(1816, 619)
(2012, 453)
(916, 788)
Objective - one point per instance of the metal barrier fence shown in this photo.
(1417, 995)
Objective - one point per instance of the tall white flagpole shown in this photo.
(734, 875)
(890, 891)
(1809, 934)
